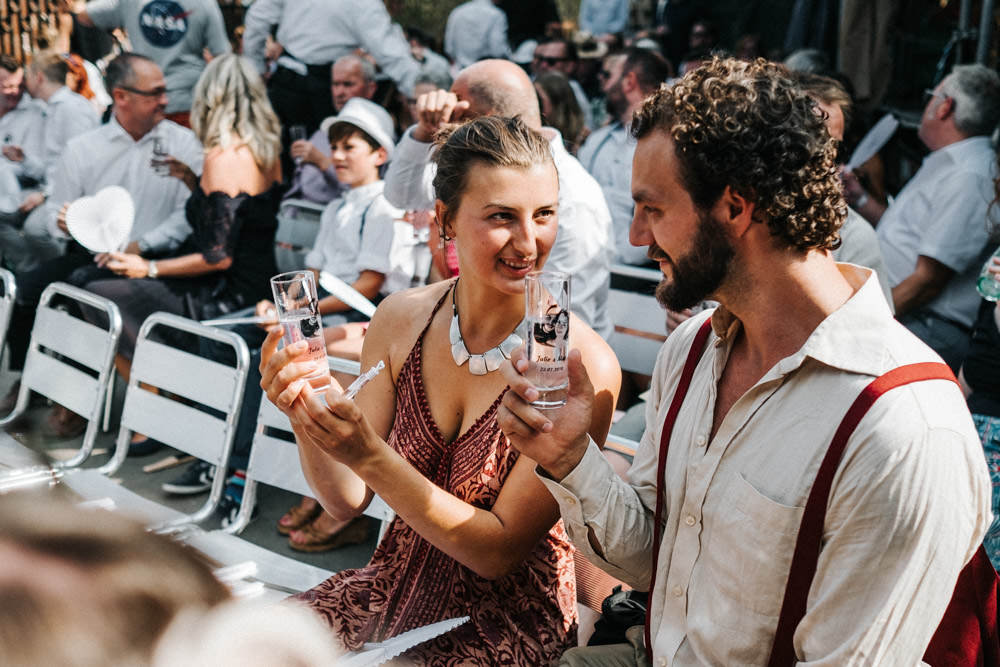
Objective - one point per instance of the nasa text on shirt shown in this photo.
(164, 22)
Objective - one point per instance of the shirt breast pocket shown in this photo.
(747, 553)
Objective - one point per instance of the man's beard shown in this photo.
(615, 103)
(700, 271)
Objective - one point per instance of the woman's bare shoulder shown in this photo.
(402, 315)
(598, 356)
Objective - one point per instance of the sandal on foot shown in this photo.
(356, 532)
(297, 518)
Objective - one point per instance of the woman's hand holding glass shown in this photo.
(336, 426)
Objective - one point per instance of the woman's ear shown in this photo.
(441, 215)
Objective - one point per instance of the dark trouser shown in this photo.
(948, 338)
(299, 100)
(75, 267)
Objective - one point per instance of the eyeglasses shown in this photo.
(155, 92)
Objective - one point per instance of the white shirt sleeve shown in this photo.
(215, 38)
(409, 180)
(377, 238)
(958, 231)
(379, 37)
(499, 47)
(106, 14)
(260, 18)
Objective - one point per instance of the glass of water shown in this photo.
(297, 133)
(546, 295)
(988, 283)
(160, 155)
(297, 303)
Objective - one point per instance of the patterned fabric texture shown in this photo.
(989, 433)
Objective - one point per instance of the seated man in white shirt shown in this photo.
(118, 153)
(796, 339)
(19, 118)
(935, 235)
(64, 115)
(629, 78)
(584, 245)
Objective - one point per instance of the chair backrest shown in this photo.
(640, 321)
(71, 360)
(298, 225)
(6, 302)
(199, 398)
(274, 458)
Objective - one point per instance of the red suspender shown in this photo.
(806, 556)
(668, 426)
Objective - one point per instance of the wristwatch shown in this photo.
(151, 270)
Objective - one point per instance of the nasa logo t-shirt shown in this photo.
(163, 22)
(172, 33)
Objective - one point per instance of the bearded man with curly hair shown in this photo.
(737, 198)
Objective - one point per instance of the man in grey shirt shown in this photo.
(175, 34)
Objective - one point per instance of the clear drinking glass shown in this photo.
(297, 133)
(160, 155)
(297, 303)
(546, 295)
(988, 283)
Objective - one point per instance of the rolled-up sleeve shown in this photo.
(409, 180)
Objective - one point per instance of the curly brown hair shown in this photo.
(748, 126)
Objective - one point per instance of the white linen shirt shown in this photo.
(385, 245)
(475, 30)
(318, 32)
(602, 17)
(107, 156)
(584, 245)
(909, 505)
(607, 155)
(65, 115)
(941, 213)
(23, 126)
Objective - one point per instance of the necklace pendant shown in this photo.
(478, 365)
(511, 343)
(493, 358)
(459, 353)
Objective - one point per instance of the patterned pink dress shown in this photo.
(525, 618)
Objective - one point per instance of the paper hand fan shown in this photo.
(346, 293)
(373, 655)
(872, 142)
(102, 223)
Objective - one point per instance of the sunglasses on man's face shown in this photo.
(549, 60)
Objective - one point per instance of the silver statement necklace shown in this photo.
(488, 361)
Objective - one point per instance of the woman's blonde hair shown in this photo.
(231, 108)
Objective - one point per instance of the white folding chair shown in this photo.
(298, 225)
(640, 322)
(6, 303)
(70, 360)
(274, 460)
(196, 412)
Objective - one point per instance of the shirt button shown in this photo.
(700, 441)
(571, 501)
(678, 591)
(690, 520)
(663, 662)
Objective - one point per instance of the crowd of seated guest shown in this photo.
(443, 180)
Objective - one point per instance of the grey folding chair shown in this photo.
(274, 460)
(298, 225)
(195, 411)
(70, 360)
(640, 322)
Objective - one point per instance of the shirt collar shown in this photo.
(960, 150)
(364, 194)
(850, 338)
(63, 93)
